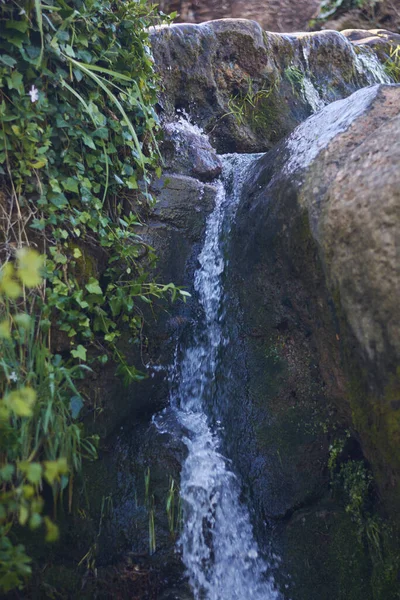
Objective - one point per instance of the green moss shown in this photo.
(322, 541)
(349, 555)
(85, 266)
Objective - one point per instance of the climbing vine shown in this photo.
(77, 153)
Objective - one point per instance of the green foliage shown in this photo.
(295, 77)
(353, 482)
(77, 145)
(329, 8)
(335, 450)
(392, 65)
(77, 152)
(173, 507)
(247, 107)
(39, 438)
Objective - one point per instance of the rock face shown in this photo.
(317, 242)
(273, 15)
(247, 89)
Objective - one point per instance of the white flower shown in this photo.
(13, 376)
(34, 94)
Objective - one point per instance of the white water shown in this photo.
(311, 94)
(219, 551)
(308, 89)
(368, 64)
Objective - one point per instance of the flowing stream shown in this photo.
(219, 551)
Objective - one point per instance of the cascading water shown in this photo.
(218, 547)
(368, 64)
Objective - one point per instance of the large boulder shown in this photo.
(317, 243)
(248, 88)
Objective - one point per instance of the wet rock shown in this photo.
(324, 555)
(187, 151)
(248, 88)
(183, 202)
(317, 243)
(380, 40)
(174, 230)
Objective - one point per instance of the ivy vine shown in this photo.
(77, 152)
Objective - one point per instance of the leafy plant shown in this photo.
(78, 147)
(77, 152)
(246, 107)
(295, 77)
(40, 442)
(353, 483)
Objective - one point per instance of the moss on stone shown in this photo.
(86, 265)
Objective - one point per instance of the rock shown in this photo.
(380, 40)
(174, 230)
(182, 205)
(273, 15)
(187, 151)
(247, 88)
(317, 243)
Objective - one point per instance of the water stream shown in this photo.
(221, 556)
(218, 547)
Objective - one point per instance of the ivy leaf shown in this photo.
(80, 352)
(52, 532)
(93, 287)
(21, 26)
(75, 406)
(88, 141)
(102, 133)
(32, 471)
(79, 299)
(7, 472)
(5, 329)
(35, 521)
(59, 201)
(41, 162)
(38, 224)
(53, 469)
(60, 258)
(69, 51)
(30, 263)
(23, 515)
(8, 285)
(77, 253)
(7, 60)
(23, 320)
(70, 184)
(15, 82)
(21, 401)
(55, 186)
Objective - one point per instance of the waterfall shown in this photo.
(219, 551)
(368, 64)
